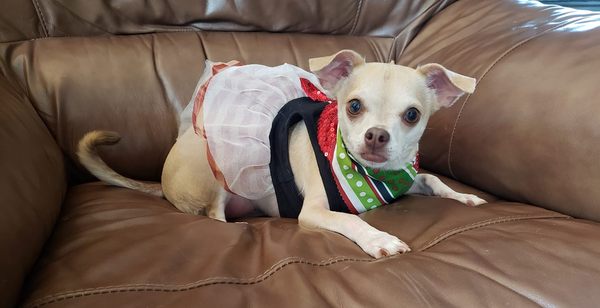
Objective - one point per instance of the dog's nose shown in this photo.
(376, 137)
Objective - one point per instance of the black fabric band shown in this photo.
(288, 196)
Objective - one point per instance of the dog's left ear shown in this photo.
(448, 85)
(331, 69)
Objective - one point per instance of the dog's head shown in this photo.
(383, 109)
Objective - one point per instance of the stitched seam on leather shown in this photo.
(238, 46)
(159, 77)
(120, 35)
(193, 30)
(269, 272)
(391, 51)
(297, 59)
(380, 57)
(201, 41)
(190, 286)
(40, 14)
(355, 23)
(476, 225)
(502, 56)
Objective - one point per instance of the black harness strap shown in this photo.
(289, 198)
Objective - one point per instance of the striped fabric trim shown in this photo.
(363, 188)
(346, 191)
(386, 194)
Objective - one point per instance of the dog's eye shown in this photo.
(354, 107)
(411, 116)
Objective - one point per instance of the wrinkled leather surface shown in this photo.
(467, 270)
(19, 21)
(368, 17)
(527, 133)
(42, 18)
(32, 186)
(137, 85)
(113, 240)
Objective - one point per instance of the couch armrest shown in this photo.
(32, 187)
(529, 133)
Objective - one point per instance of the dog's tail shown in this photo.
(88, 156)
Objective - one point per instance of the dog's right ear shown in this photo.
(331, 69)
(448, 85)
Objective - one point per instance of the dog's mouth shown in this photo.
(374, 157)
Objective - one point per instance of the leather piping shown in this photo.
(355, 23)
(476, 225)
(40, 14)
(273, 269)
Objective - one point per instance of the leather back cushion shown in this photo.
(31, 19)
(529, 132)
(137, 85)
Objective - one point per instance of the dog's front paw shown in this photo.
(381, 244)
(468, 199)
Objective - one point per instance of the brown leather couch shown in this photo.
(527, 141)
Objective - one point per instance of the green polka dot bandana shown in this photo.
(364, 188)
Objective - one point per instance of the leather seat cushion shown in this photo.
(134, 249)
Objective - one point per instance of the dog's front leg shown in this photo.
(430, 185)
(315, 211)
(315, 214)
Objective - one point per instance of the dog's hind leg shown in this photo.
(216, 210)
(199, 194)
(188, 181)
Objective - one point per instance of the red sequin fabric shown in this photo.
(327, 124)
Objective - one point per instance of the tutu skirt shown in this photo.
(238, 106)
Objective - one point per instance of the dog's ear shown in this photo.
(448, 85)
(331, 69)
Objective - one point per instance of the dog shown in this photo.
(382, 110)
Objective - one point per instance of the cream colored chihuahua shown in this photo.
(354, 150)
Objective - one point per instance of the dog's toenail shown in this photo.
(383, 252)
